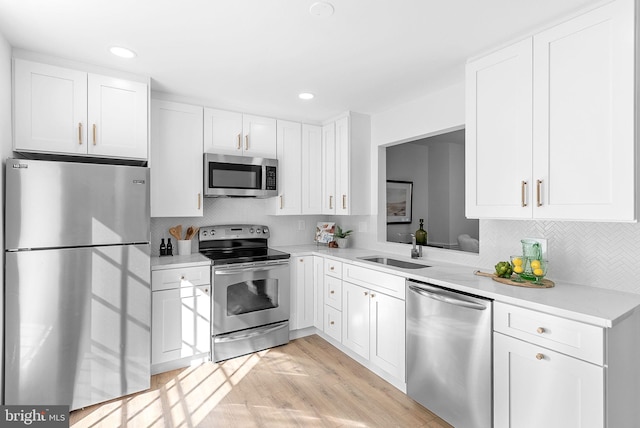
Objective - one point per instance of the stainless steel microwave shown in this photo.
(228, 175)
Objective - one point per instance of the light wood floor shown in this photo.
(306, 383)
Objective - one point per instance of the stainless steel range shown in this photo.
(250, 299)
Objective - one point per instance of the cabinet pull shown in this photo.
(540, 330)
(330, 202)
(280, 201)
(199, 199)
(181, 277)
(94, 133)
(246, 142)
(332, 292)
(344, 202)
(539, 356)
(538, 192)
(366, 293)
(332, 323)
(301, 260)
(332, 268)
(239, 141)
(80, 133)
(523, 186)
(373, 295)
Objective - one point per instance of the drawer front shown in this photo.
(333, 322)
(333, 268)
(570, 337)
(167, 279)
(382, 282)
(333, 292)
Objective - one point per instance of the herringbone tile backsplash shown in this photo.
(598, 254)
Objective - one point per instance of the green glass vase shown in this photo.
(421, 234)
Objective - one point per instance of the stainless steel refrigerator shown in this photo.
(77, 282)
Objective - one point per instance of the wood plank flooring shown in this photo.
(306, 383)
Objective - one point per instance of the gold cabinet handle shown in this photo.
(206, 291)
(344, 202)
(330, 202)
(246, 142)
(181, 277)
(332, 268)
(280, 201)
(540, 330)
(199, 199)
(332, 323)
(80, 133)
(366, 293)
(239, 141)
(539, 356)
(94, 133)
(523, 186)
(332, 292)
(373, 295)
(301, 260)
(538, 192)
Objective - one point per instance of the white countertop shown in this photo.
(173, 262)
(598, 306)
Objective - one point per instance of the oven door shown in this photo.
(246, 296)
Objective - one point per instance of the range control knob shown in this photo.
(258, 231)
(251, 230)
(212, 232)
(265, 230)
(204, 233)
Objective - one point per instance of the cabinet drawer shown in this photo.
(333, 322)
(333, 268)
(391, 285)
(333, 292)
(570, 337)
(175, 278)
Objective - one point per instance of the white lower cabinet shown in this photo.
(355, 318)
(537, 387)
(318, 291)
(302, 293)
(181, 317)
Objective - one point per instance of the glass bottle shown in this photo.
(163, 248)
(169, 248)
(421, 234)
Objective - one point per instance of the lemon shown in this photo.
(518, 269)
(517, 261)
(535, 264)
(538, 271)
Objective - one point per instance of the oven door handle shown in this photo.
(231, 271)
(254, 332)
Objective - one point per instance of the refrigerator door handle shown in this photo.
(446, 299)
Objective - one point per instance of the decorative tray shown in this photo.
(546, 283)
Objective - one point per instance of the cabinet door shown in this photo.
(50, 108)
(387, 341)
(289, 148)
(305, 298)
(536, 387)
(222, 132)
(498, 134)
(584, 95)
(355, 318)
(180, 325)
(312, 167)
(259, 136)
(176, 160)
(318, 285)
(342, 168)
(117, 117)
(329, 169)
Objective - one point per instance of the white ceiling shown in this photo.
(257, 55)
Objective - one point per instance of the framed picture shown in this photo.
(399, 195)
(324, 231)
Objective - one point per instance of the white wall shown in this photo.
(5, 151)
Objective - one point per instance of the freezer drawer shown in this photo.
(78, 324)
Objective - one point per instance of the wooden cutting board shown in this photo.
(546, 283)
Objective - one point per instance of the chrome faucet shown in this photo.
(415, 253)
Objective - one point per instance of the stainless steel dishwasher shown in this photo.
(449, 365)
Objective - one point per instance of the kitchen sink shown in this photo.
(393, 262)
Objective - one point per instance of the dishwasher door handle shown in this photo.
(447, 299)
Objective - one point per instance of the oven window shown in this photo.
(252, 296)
(234, 176)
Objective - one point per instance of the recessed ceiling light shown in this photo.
(305, 96)
(122, 52)
(321, 8)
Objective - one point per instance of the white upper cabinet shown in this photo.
(550, 123)
(117, 113)
(65, 111)
(289, 155)
(176, 160)
(329, 169)
(232, 133)
(311, 169)
(499, 133)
